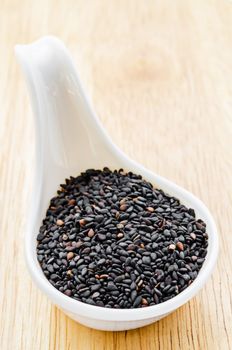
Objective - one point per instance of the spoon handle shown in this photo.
(65, 120)
(69, 137)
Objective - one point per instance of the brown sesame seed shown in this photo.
(70, 255)
(150, 209)
(172, 247)
(193, 235)
(122, 201)
(180, 246)
(140, 283)
(82, 222)
(91, 233)
(60, 222)
(144, 302)
(123, 207)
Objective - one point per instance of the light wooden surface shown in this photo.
(160, 76)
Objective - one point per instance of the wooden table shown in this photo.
(160, 76)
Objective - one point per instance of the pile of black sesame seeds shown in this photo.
(110, 239)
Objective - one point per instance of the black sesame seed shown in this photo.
(110, 239)
(137, 301)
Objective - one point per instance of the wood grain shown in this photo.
(160, 76)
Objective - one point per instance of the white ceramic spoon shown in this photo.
(70, 139)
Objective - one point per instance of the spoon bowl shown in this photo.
(70, 139)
